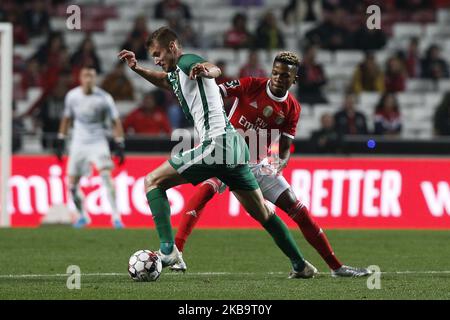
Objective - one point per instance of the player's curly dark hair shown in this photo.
(288, 57)
(163, 36)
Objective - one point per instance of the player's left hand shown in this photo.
(119, 151)
(199, 70)
(279, 165)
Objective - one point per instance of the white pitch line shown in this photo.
(18, 276)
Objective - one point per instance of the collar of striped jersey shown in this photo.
(272, 96)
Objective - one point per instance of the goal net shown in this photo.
(6, 80)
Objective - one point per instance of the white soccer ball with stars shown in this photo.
(144, 265)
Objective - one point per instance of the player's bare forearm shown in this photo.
(284, 152)
(64, 126)
(158, 78)
(205, 70)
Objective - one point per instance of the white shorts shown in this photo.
(82, 157)
(271, 185)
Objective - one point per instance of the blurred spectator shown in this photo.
(185, 32)
(442, 117)
(37, 19)
(86, 55)
(136, 45)
(18, 129)
(149, 118)
(238, 36)
(51, 49)
(412, 5)
(117, 83)
(387, 116)
(351, 6)
(368, 76)
(166, 9)
(412, 58)
(302, 10)
(311, 78)
(395, 76)
(136, 38)
(326, 139)
(252, 68)
(32, 75)
(268, 34)
(433, 66)
(48, 113)
(20, 34)
(332, 33)
(348, 120)
(366, 39)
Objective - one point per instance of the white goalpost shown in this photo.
(6, 81)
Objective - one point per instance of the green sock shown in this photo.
(284, 240)
(159, 204)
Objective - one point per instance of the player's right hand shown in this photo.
(129, 57)
(58, 146)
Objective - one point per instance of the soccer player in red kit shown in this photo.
(265, 106)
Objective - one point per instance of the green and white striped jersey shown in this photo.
(200, 99)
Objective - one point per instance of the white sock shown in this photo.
(110, 193)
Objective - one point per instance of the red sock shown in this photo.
(194, 209)
(314, 234)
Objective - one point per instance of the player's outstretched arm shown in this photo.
(206, 70)
(158, 78)
(285, 152)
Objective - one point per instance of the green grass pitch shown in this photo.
(223, 264)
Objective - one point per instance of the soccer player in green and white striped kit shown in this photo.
(222, 152)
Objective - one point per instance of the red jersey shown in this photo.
(141, 122)
(255, 107)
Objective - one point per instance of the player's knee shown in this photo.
(151, 182)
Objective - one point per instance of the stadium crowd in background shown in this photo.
(54, 67)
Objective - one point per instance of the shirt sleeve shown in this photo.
(187, 61)
(290, 128)
(68, 110)
(111, 106)
(235, 88)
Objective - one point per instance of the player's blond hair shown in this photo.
(288, 57)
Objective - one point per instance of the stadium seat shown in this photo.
(443, 17)
(431, 100)
(410, 99)
(368, 100)
(324, 57)
(125, 107)
(382, 56)
(349, 58)
(435, 30)
(407, 30)
(335, 99)
(419, 85)
(24, 51)
(122, 26)
(444, 85)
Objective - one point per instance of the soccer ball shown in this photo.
(144, 265)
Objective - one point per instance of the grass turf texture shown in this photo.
(223, 264)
